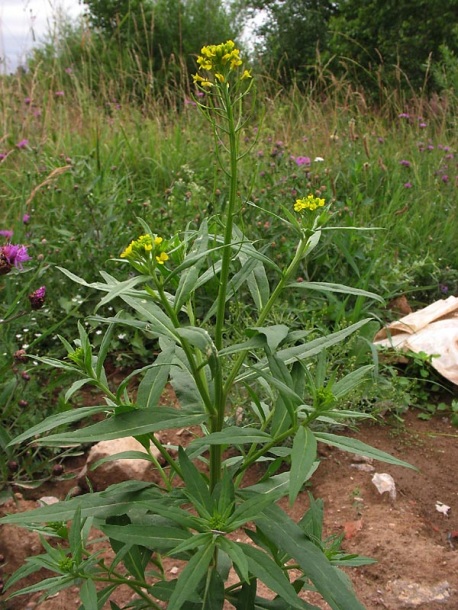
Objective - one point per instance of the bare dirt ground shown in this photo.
(415, 545)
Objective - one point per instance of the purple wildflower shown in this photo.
(444, 178)
(302, 160)
(422, 125)
(27, 101)
(37, 298)
(6, 233)
(404, 163)
(69, 70)
(59, 94)
(407, 185)
(404, 115)
(15, 254)
(443, 288)
(3, 156)
(26, 219)
(22, 144)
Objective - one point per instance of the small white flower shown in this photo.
(318, 159)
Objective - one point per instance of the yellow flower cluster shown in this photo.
(220, 60)
(143, 246)
(308, 203)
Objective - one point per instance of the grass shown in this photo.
(84, 167)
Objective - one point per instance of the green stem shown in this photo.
(300, 252)
(197, 371)
(226, 258)
(217, 420)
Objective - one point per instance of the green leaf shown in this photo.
(76, 385)
(232, 435)
(277, 486)
(115, 500)
(249, 509)
(153, 383)
(247, 595)
(329, 287)
(161, 538)
(54, 421)
(188, 276)
(303, 456)
(197, 337)
(354, 445)
(195, 487)
(267, 571)
(122, 455)
(50, 585)
(291, 539)
(351, 381)
(303, 351)
(88, 595)
(274, 335)
(238, 557)
(158, 322)
(214, 592)
(133, 423)
(191, 577)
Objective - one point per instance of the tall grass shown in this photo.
(83, 155)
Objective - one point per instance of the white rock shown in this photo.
(385, 483)
(116, 470)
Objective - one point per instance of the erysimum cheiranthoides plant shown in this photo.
(198, 514)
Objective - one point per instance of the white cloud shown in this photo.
(24, 22)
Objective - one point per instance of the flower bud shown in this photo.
(37, 298)
(20, 355)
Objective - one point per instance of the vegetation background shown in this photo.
(356, 102)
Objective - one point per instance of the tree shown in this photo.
(164, 35)
(394, 36)
(290, 35)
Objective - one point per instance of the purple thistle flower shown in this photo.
(3, 156)
(444, 178)
(404, 163)
(302, 160)
(408, 185)
(22, 144)
(15, 254)
(37, 298)
(6, 233)
(26, 219)
(404, 115)
(59, 94)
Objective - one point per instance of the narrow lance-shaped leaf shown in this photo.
(354, 445)
(152, 385)
(303, 456)
(329, 287)
(191, 576)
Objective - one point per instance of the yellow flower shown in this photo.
(220, 77)
(128, 251)
(308, 203)
(203, 82)
(163, 256)
(246, 74)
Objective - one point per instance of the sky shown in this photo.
(23, 23)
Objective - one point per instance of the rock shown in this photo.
(47, 500)
(117, 470)
(413, 594)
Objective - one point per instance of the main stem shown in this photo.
(217, 420)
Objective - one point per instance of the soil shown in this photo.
(415, 545)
